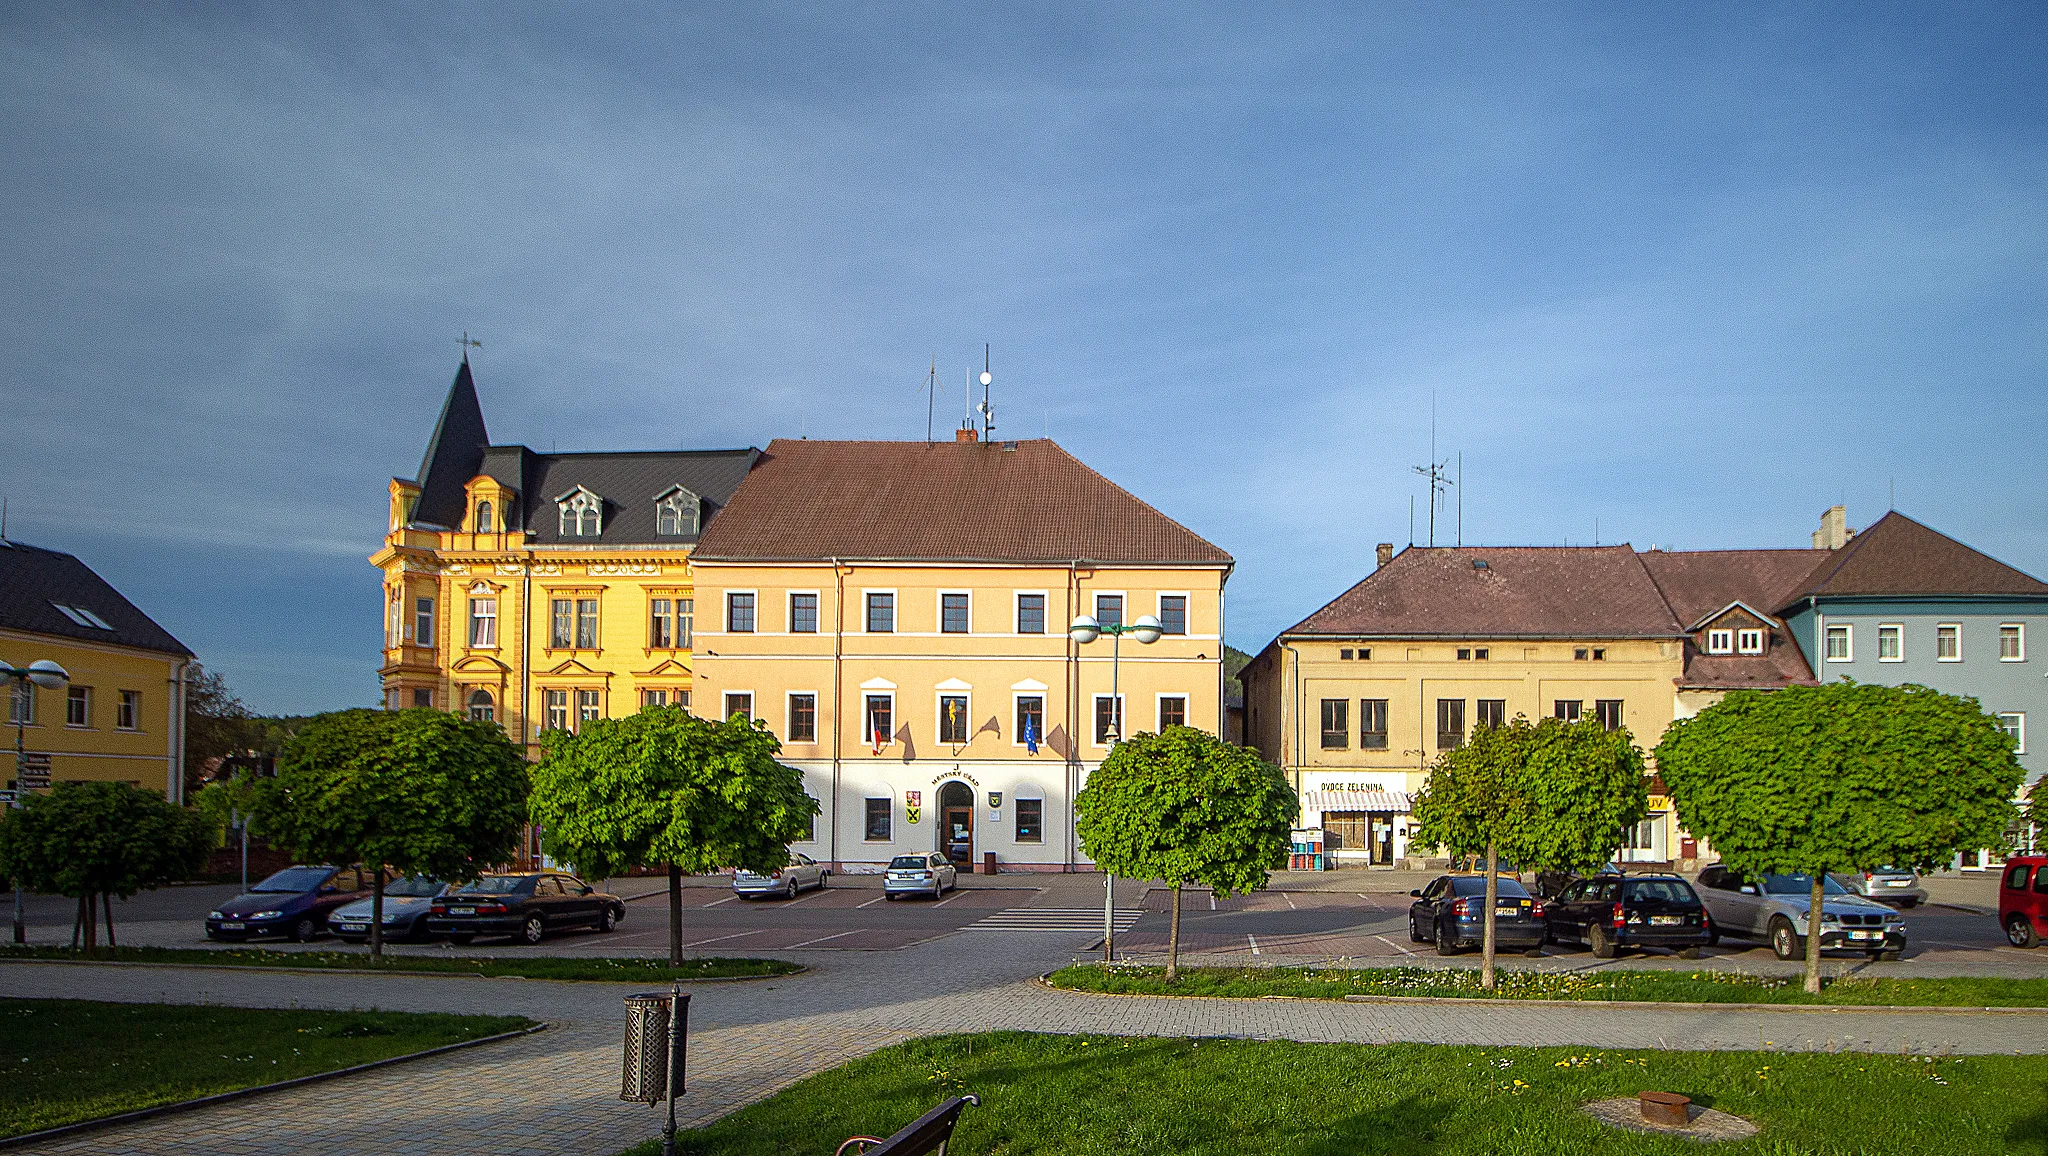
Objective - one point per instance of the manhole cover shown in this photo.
(1702, 1123)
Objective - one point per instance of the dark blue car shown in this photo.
(292, 904)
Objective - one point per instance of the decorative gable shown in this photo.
(582, 513)
(678, 513)
(1736, 628)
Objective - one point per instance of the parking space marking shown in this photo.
(948, 899)
(1290, 901)
(1249, 938)
(870, 903)
(823, 938)
(720, 938)
(1395, 946)
(727, 899)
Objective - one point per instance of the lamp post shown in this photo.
(49, 676)
(1085, 629)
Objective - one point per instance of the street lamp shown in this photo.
(48, 675)
(1084, 630)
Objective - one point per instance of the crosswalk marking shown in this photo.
(1078, 919)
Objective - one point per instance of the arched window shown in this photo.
(484, 525)
(481, 706)
(582, 514)
(677, 513)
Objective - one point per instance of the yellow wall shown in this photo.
(99, 750)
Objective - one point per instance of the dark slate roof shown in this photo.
(628, 483)
(32, 578)
(455, 454)
(1898, 556)
(1520, 592)
(1022, 501)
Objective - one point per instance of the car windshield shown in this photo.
(908, 863)
(413, 886)
(294, 881)
(1476, 885)
(1800, 885)
(494, 885)
(1661, 891)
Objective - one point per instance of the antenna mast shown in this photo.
(988, 412)
(1439, 475)
(931, 398)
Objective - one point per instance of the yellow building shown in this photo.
(897, 613)
(121, 715)
(540, 590)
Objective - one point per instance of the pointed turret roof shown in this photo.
(1898, 556)
(455, 454)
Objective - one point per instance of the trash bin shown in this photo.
(649, 1045)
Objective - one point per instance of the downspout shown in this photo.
(1073, 697)
(838, 707)
(1222, 667)
(174, 782)
(1293, 700)
(526, 652)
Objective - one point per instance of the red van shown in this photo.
(2023, 900)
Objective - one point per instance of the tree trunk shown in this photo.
(675, 915)
(377, 916)
(1813, 914)
(1173, 940)
(1492, 894)
(78, 924)
(107, 901)
(92, 927)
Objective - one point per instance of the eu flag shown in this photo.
(1031, 733)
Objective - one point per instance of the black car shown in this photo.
(1609, 913)
(292, 904)
(1451, 913)
(529, 907)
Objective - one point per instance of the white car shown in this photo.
(1773, 908)
(803, 872)
(928, 874)
(1900, 885)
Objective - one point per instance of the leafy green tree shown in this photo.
(665, 787)
(1840, 777)
(419, 791)
(1548, 796)
(1186, 807)
(93, 840)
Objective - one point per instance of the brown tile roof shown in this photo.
(1899, 556)
(1522, 592)
(1780, 665)
(1698, 582)
(1024, 501)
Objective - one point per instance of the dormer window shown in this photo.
(1720, 642)
(484, 525)
(677, 513)
(1750, 641)
(582, 514)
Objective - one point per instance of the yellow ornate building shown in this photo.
(538, 590)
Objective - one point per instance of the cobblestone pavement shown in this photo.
(555, 1092)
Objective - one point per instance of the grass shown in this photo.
(1052, 1095)
(63, 1061)
(611, 970)
(1703, 986)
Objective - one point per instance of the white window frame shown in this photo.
(489, 706)
(21, 704)
(2019, 630)
(867, 734)
(2019, 728)
(939, 698)
(895, 609)
(1017, 735)
(888, 839)
(572, 507)
(1743, 637)
(128, 703)
(1040, 800)
(1720, 640)
(597, 706)
(1045, 602)
(487, 639)
(84, 694)
(789, 717)
(1848, 642)
(725, 622)
(1123, 717)
(789, 609)
(939, 608)
(648, 696)
(677, 500)
(423, 609)
(1159, 704)
(1958, 628)
(725, 704)
(1187, 598)
(549, 708)
(1095, 606)
(1898, 637)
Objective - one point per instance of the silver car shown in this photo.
(1773, 908)
(406, 903)
(802, 872)
(927, 874)
(1900, 885)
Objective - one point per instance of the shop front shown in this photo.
(1363, 825)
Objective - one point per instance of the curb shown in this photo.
(239, 1093)
(401, 974)
(1044, 981)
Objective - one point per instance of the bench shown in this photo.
(924, 1136)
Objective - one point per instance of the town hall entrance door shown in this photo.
(956, 824)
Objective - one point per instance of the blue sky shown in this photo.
(1695, 277)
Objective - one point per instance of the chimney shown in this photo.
(1834, 530)
(1384, 552)
(965, 435)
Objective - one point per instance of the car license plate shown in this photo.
(1866, 935)
(1502, 912)
(232, 926)
(462, 911)
(355, 927)
(1666, 920)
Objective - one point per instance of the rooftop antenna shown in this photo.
(1411, 519)
(1461, 497)
(1596, 530)
(3, 518)
(931, 398)
(1891, 494)
(1438, 473)
(468, 343)
(988, 412)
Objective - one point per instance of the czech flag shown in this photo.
(880, 740)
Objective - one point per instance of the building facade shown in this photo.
(121, 717)
(897, 613)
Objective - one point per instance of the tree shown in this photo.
(99, 840)
(664, 787)
(1550, 796)
(420, 791)
(1186, 807)
(1841, 777)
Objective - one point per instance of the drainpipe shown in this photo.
(1293, 699)
(174, 783)
(838, 706)
(1073, 697)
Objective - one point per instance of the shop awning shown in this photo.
(1355, 801)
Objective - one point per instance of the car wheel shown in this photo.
(1713, 937)
(533, 930)
(1688, 953)
(889, 895)
(608, 920)
(1533, 953)
(461, 938)
(305, 929)
(2019, 931)
(1908, 904)
(789, 892)
(1785, 941)
(1602, 942)
(1446, 944)
(938, 889)
(1415, 931)
(1887, 955)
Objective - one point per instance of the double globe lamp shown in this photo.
(1086, 629)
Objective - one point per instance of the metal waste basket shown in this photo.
(652, 1048)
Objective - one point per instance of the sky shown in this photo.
(1651, 275)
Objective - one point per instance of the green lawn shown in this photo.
(611, 970)
(62, 1061)
(1049, 1095)
(1703, 986)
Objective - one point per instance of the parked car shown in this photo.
(292, 904)
(528, 906)
(1451, 913)
(927, 874)
(1773, 908)
(1609, 913)
(406, 904)
(2023, 900)
(803, 871)
(1900, 885)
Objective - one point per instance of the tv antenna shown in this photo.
(468, 343)
(931, 398)
(988, 412)
(1439, 475)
